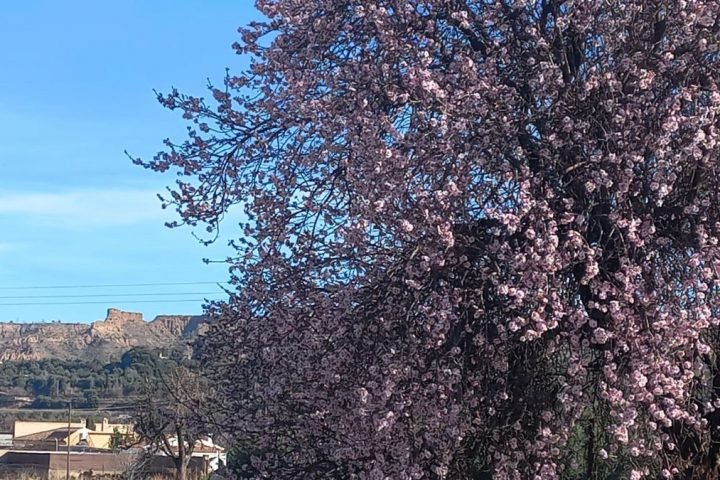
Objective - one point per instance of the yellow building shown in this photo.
(46, 435)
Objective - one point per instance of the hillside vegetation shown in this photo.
(52, 384)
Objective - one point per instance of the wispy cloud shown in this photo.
(90, 208)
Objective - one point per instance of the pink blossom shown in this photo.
(494, 220)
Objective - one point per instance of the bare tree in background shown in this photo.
(134, 463)
(170, 416)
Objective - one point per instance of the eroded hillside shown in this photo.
(101, 340)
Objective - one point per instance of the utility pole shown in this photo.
(67, 459)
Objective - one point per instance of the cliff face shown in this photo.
(102, 340)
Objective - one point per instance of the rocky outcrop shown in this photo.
(118, 317)
(178, 325)
(101, 340)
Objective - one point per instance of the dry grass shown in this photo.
(31, 475)
(6, 474)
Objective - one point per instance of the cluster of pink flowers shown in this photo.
(477, 236)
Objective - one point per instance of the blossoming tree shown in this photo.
(480, 237)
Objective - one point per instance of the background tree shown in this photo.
(478, 235)
(133, 463)
(121, 440)
(169, 416)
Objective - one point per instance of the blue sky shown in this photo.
(76, 91)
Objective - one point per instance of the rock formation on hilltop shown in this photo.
(103, 340)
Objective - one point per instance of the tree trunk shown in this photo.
(181, 467)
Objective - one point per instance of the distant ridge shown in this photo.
(103, 340)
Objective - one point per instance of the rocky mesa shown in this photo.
(102, 340)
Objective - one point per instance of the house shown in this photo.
(41, 448)
(205, 448)
(53, 435)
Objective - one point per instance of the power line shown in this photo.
(117, 285)
(42, 304)
(101, 295)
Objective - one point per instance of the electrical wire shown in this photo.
(42, 304)
(102, 295)
(117, 285)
